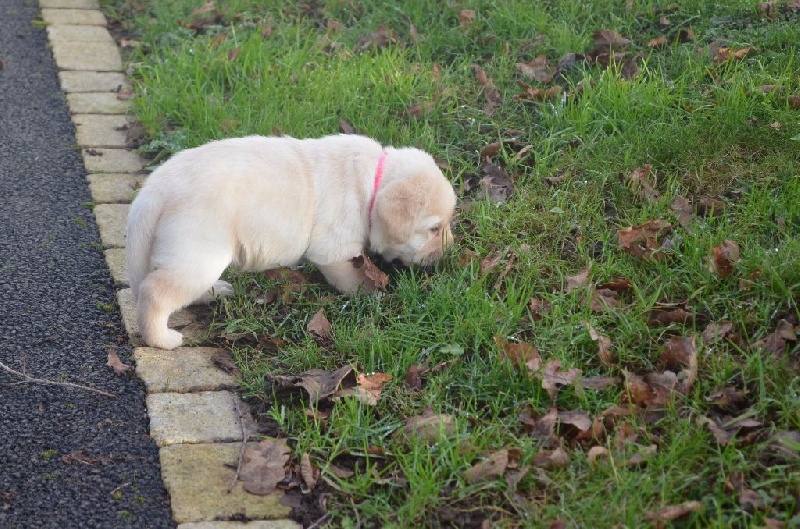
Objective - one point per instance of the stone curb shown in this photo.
(195, 417)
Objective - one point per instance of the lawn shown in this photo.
(612, 342)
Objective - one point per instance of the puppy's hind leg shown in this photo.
(220, 289)
(163, 292)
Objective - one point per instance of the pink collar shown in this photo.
(377, 182)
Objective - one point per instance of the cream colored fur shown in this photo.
(265, 202)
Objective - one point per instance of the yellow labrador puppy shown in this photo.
(265, 202)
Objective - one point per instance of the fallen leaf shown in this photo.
(646, 240)
(608, 39)
(466, 17)
(723, 257)
(265, 466)
(414, 377)
(595, 453)
(318, 383)
(318, 326)
(727, 399)
(553, 377)
(537, 69)
(577, 418)
(603, 344)
(775, 342)
(579, 280)
(539, 94)
(495, 186)
(657, 42)
(684, 210)
(522, 355)
(232, 54)
(669, 315)
(491, 260)
(723, 55)
(538, 308)
(680, 351)
(674, 512)
(604, 299)
(378, 280)
(490, 468)
(428, 427)
(345, 127)
(557, 458)
(599, 383)
(715, 332)
(794, 101)
(120, 368)
(368, 389)
(309, 472)
(539, 426)
(493, 97)
(381, 38)
(642, 185)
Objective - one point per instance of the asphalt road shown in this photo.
(68, 457)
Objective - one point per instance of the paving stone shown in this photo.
(183, 370)
(197, 478)
(97, 103)
(78, 17)
(78, 81)
(59, 33)
(70, 4)
(112, 220)
(261, 524)
(115, 260)
(204, 417)
(101, 130)
(112, 161)
(92, 56)
(114, 187)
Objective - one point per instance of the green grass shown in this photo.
(708, 130)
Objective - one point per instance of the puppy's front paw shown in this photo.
(170, 339)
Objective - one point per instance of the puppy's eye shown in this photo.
(436, 229)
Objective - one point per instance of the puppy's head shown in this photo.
(413, 208)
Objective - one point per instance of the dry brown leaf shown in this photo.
(683, 208)
(318, 383)
(674, 512)
(723, 257)
(641, 185)
(538, 308)
(318, 326)
(599, 383)
(539, 426)
(466, 17)
(495, 186)
(537, 69)
(680, 351)
(608, 39)
(557, 458)
(368, 389)
(428, 427)
(604, 299)
(775, 342)
(522, 355)
(539, 94)
(577, 418)
(490, 468)
(553, 377)
(669, 314)
(646, 240)
(493, 97)
(715, 332)
(120, 368)
(595, 453)
(376, 278)
(603, 344)
(265, 466)
(491, 260)
(414, 377)
(579, 280)
(309, 472)
(723, 55)
(794, 101)
(657, 42)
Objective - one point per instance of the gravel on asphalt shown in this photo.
(68, 457)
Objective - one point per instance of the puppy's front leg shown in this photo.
(346, 277)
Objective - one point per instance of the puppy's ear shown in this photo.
(397, 206)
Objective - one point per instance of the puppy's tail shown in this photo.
(142, 220)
